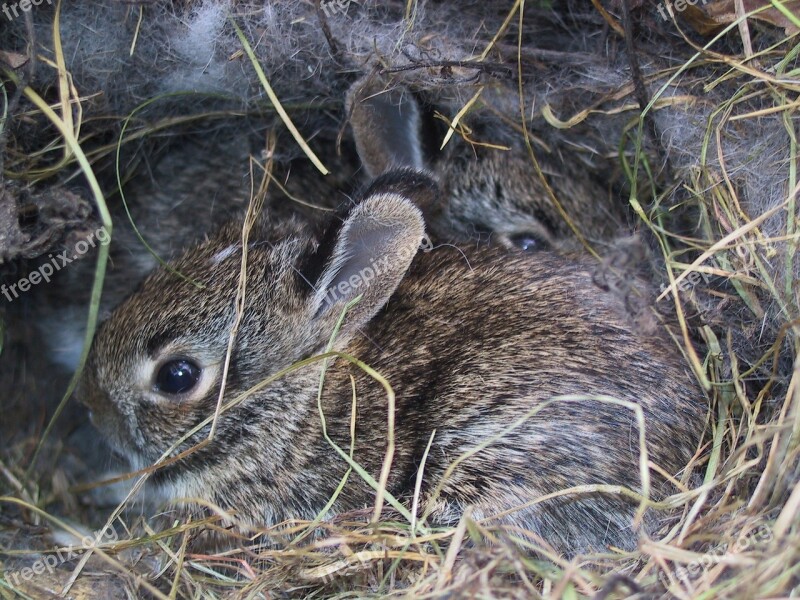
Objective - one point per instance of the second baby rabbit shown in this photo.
(489, 194)
(471, 340)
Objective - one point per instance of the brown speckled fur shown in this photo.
(471, 339)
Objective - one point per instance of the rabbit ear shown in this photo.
(386, 125)
(371, 253)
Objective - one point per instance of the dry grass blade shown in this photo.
(277, 103)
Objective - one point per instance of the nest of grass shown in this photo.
(737, 532)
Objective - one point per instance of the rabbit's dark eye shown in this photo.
(528, 242)
(177, 376)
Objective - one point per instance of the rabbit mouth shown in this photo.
(117, 439)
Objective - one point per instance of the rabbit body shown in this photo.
(471, 340)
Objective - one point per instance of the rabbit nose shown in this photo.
(90, 396)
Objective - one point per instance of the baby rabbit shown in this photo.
(471, 340)
(489, 194)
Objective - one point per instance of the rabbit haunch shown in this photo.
(470, 339)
